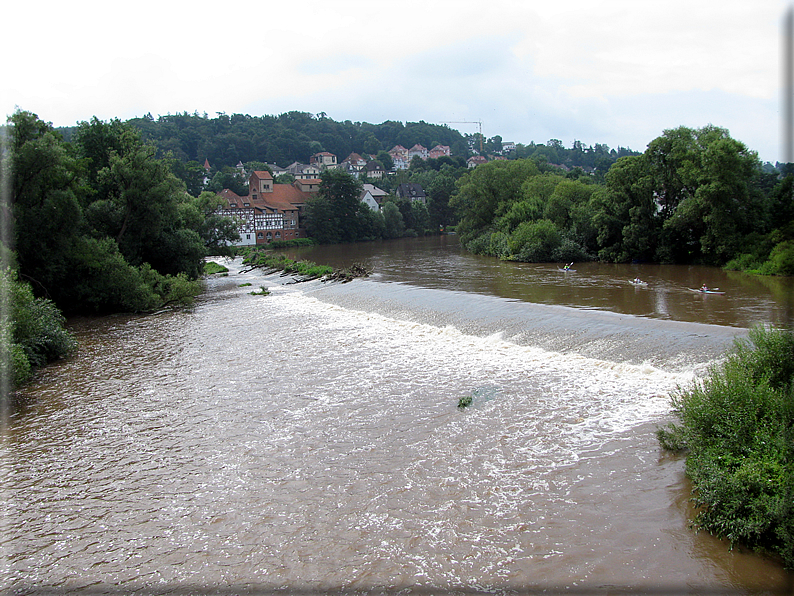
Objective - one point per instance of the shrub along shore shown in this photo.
(737, 430)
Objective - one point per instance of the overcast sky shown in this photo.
(617, 72)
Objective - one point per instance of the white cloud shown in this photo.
(616, 72)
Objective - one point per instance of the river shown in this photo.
(310, 440)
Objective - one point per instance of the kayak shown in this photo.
(638, 283)
(707, 291)
(565, 270)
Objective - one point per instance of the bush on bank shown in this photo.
(737, 426)
(295, 242)
(32, 332)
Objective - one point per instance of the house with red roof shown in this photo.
(399, 156)
(419, 150)
(270, 211)
(402, 157)
(439, 151)
(354, 164)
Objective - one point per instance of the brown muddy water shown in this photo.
(310, 440)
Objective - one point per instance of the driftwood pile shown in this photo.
(306, 271)
(348, 274)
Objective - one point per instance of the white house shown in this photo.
(373, 196)
(367, 198)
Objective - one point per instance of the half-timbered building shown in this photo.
(270, 211)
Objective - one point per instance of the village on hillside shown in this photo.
(272, 211)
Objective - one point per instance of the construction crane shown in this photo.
(478, 122)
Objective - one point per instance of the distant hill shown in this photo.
(294, 136)
(287, 138)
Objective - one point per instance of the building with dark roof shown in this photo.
(411, 191)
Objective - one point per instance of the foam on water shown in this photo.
(312, 438)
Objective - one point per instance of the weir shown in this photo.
(310, 440)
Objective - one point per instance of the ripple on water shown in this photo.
(298, 440)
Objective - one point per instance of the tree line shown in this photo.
(98, 225)
(694, 196)
(227, 140)
(286, 138)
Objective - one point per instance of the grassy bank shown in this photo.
(737, 429)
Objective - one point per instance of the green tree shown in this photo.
(90, 216)
(343, 192)
(421, 217)
(337, 214)
(138, 203)
(702, 180)
(191, 173)
(567, 195)
(393, 220)
(406, 210)
(625, 214)
(385, 160)
(439, 193)
(488, 192)
(284, 179)
(319, 220)
(535, 241)
(45, 207)
(229, 178)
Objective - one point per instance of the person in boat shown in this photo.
(637, 280)
(567, 267)
(703, 288)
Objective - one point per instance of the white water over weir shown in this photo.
(310, 440)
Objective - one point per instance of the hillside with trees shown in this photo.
(284, 139)
(224, 141)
